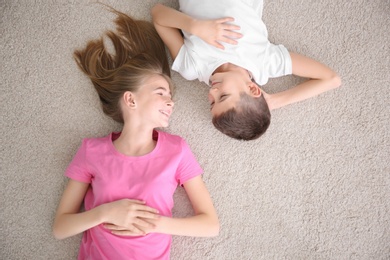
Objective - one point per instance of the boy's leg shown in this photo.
(257, 5)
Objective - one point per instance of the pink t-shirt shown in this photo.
(114, 176)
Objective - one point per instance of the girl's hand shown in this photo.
(130, 215)
(137, 231)
(215, 31)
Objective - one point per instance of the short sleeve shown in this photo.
(77, 169)
(279, 61)
(188, 167)
(184, 64)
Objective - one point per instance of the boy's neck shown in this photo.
(226, 67)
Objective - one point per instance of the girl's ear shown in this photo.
(129, 99)
(254, 90)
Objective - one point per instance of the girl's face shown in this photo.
(154, 102)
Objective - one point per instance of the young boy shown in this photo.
(234, 60)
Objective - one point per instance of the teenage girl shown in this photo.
(127, 179)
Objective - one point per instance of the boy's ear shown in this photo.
(254, 90)
(129, 99)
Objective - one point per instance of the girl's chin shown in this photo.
(165, 124)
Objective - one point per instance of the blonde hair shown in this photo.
(139, 55)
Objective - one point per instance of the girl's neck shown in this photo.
(135, 142)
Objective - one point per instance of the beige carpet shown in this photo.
(316, 186)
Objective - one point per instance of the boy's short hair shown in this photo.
(247, 121)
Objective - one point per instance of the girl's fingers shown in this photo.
(147, 209)
(114, 227)
(118, 230)
(144, 214)
(143, 223)
(128, 233)
(137, 201)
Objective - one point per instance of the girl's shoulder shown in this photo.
(97, 144)
(171, 141)
(168, 137)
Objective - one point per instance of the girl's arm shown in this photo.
(169, 21)
(69, 221)
(204, 223)
(321, 79)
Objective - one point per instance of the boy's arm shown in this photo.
(166, 22)
(321, 79)
(169, 21)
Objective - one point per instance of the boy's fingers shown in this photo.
(230, 41)
(234, 34)
(232, 27)
(219, 46)
(226, 19)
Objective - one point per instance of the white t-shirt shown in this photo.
(198, 60)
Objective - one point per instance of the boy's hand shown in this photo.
(215, 31)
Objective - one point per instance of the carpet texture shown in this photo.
(315, 186)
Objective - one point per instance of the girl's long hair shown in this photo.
(139, 54)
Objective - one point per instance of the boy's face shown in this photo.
(225, 90)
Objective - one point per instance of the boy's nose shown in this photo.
(171, 103)
(210, 97)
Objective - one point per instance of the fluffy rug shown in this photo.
(315, 186)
